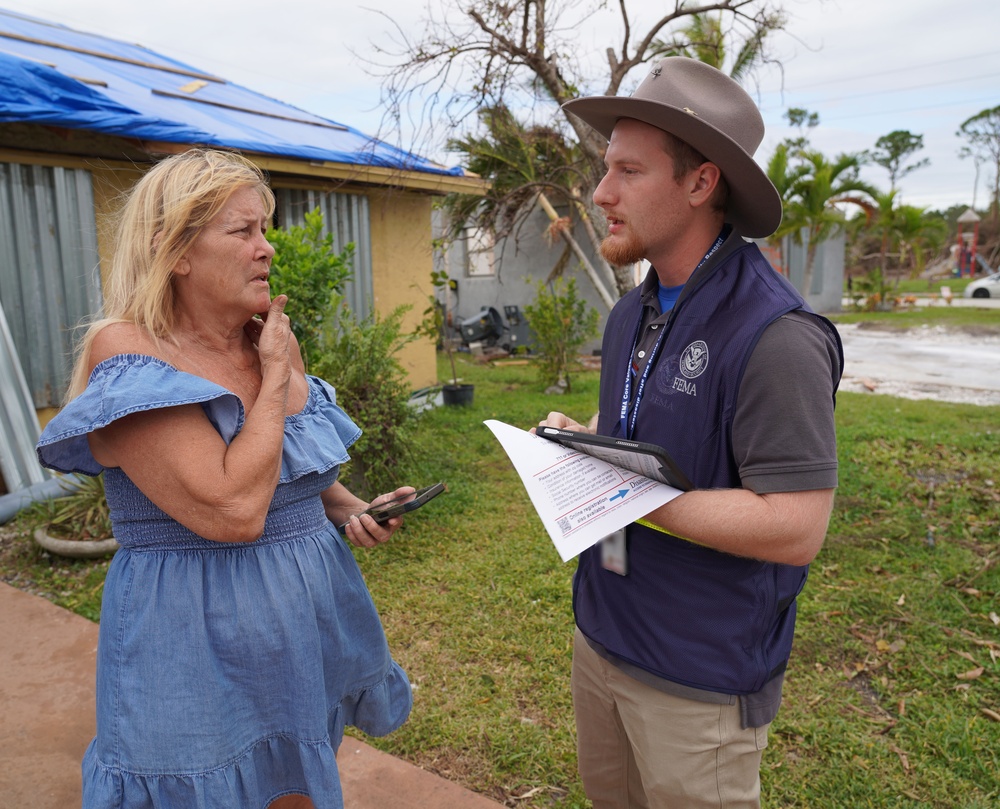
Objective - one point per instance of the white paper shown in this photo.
(580, 499)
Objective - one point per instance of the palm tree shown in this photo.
(526, 165)
(704, 39)
(884, 214)
(784, 172)
(903, 229)
(812, 197)
(918, 233)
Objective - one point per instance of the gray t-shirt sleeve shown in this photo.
(784, 438)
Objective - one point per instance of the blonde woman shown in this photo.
(237, 637)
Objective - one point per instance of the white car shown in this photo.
(988, 287)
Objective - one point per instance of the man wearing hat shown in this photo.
(685, 618)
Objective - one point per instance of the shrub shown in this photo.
(354, 354)
(308, 270)
(562, 322)
(358, 358)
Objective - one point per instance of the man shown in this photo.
(684, 630)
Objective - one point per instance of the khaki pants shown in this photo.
(640, 748)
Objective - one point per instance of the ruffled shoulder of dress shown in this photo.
(122, 385)
(317, 438)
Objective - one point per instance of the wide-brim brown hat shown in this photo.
(708, 110)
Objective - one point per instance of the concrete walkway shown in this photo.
(47, 660)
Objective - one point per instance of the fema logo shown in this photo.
(694, 360)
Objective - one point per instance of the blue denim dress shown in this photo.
(226, 673)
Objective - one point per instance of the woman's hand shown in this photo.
(272, 333)
(362, 530)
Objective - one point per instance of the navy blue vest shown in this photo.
(687, 613)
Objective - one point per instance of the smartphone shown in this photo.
(384, 512)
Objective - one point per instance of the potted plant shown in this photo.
(433, 326)
(78, 524)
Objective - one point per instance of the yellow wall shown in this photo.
(110, 184)
(402, 260)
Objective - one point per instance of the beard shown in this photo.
(623, 249)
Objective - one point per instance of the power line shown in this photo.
(871, 113)
(909, 69)
(912, 87)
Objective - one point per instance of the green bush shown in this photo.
(358, 358)
(562, 322)
(354, 354)
(308, 270)
(81, 514)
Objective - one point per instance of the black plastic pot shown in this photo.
(457, 394)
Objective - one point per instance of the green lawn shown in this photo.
(893, 691)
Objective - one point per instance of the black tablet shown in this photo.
(649, 460)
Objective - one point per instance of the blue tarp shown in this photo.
(104, 85)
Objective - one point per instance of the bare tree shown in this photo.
(982, 131)
(527, 56)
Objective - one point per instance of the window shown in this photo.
(480, 261)
(346, 216)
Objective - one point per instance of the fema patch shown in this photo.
(694, 360)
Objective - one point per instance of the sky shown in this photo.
(866, 67)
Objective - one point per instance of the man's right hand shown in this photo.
(562, 422)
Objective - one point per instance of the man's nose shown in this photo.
(602, 194)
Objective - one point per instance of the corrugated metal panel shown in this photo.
(346, 216)
(49, 269)
(19, 428)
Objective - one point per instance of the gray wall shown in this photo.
(827, 288)
(530, 256)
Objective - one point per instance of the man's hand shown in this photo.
(562, 422)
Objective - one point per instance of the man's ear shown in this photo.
(704, 181)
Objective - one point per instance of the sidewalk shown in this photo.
(47, 658)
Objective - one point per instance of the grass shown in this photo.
(970, 319)
(892, 697)
(924, 286)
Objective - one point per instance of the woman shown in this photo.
(237, 637)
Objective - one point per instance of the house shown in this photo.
(82, 117)
(504, 274)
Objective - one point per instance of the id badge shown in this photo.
(614, 553)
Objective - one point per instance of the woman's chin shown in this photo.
(261, 299)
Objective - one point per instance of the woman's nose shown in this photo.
(266, 247)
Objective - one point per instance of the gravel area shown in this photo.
(948, 365)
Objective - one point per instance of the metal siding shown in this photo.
(50, 274)
(346, 216)
(18, 421)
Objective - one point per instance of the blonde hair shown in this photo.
(162, 216)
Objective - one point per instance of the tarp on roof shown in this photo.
(51, 74)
